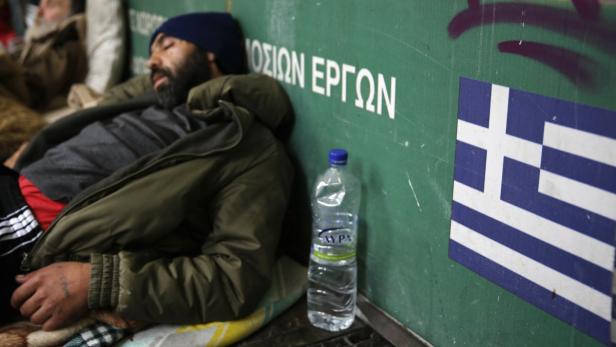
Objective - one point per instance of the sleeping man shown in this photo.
(165, 203)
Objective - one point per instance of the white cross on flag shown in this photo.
(534, 200)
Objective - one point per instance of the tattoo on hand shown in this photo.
(64, 284)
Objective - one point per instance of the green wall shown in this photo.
(404, 154)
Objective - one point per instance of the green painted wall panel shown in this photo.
(145, 16)
(406, 163)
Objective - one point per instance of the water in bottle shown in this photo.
(332, 273)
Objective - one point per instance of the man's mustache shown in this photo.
(160, 72)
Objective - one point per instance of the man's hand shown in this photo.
(54, 295)
(12, 160)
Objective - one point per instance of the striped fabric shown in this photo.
(17, 230)
(18, 227)
(534, 200)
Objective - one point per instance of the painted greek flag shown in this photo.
(534, 200)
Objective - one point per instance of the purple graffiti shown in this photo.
(588, 9)
(474, 3)
(559, 20)
(583, 23)
(575, 66)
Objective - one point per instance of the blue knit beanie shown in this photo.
(215, 32)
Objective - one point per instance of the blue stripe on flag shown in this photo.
(538, 250)
(563, 309)
(470, 165)
(520, 188)
(474, 101)
(578, 168)
(528, 113)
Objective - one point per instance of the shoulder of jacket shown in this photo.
(130, 89)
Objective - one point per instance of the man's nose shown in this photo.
(153, 61)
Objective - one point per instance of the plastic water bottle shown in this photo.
(332, 273)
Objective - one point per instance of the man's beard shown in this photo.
(193, 72)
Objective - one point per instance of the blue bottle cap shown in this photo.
(338, 156)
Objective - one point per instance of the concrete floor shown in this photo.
(292, 328)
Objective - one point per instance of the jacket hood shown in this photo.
(259, 94)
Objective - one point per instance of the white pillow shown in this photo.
(105, 41)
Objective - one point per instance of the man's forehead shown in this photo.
(158, 40)
(161, 38)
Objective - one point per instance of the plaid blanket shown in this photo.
(97, 335)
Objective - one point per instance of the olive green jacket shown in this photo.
(188, 234)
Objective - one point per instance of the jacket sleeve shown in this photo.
(231, 273)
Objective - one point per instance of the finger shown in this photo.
(31, 305)
(56, 321)
(23, 292)
(24, 278)
(41, 315)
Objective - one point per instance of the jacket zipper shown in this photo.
(25, 265)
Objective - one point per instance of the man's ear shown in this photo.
(211, 61)
(211, 57)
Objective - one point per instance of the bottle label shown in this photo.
(336, 236)
(332, 257)
(335, 243)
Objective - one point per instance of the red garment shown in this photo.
(7, 34)
(45, 210)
